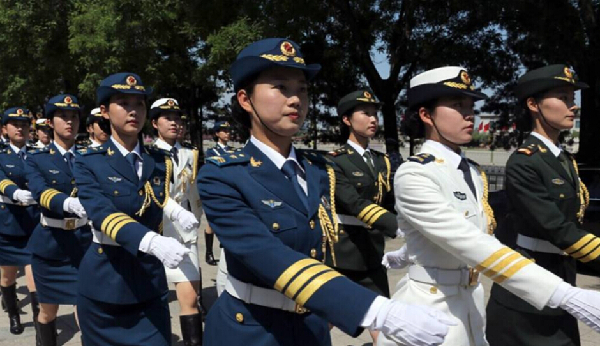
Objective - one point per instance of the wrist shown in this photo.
(146, 241)
(559, 295)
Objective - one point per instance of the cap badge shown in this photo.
(171, 103)
(464, 76)
(288, 49)
(19, 111)
(367, 94)
(568, 73)
(68, 99)
(131, 81)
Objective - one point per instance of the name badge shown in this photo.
(558, 181)
(461, 196)
(358, 174)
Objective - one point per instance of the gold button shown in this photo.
(342, 231)
(53, 181)
(467, 213)
(72, 181)
(161, 194)
(275, 226)
(2, 207)
(433, 290)
(239, 317)
(141, 192)
(100, 250)
(312, 224)
(116, 192)
(313, 253)
(562, 195)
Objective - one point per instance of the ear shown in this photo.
(244, 101)
(425, 116)
(154, 124)
(104, 111)
(51, 123)
(346, 120)
(532, 104)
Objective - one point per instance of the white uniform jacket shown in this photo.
(183, 190)
(446, 234)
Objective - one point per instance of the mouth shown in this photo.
(133, 122)
(293, 116)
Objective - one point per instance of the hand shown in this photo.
(168, 250)
(73, 205)
(583, 304)
(187, 219)
(415, 325)
(23, 196)
(396, 259)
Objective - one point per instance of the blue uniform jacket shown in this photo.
(217, 150)
(15, 220)
(51, 182)
(112, 194)
(272, 241)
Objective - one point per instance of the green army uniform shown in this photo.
(546, 205)
(364, 200)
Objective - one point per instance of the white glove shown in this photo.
(396, 259)
(72, 205)
(414, 325)
(168, 250)
(23, 196)
(177, 213)
(581, 303)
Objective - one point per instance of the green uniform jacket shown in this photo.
(367, 198)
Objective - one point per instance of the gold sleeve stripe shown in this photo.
(493, 258)
(586, 249)
(371, 213)
(513, 257)
(580, 243)
(291, 271)
(118, 226)
(47, 196)
(366, 210)
(315, 285)
(304, 277)
(375, 217)
(591, 256)
(112, 225)
(512, 270)
(5, 183)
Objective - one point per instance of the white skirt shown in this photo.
(188, 269)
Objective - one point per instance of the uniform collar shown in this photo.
(224, 147)
(553, 147)
(124, 151)
(62, 150)
(275, 157)
(360, 150)
(448, 153)
(16, 149)
(166, 146)
(94, 143)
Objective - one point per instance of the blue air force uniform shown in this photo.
(278, 291)
(219, 149)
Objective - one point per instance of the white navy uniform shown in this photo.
(446, 228)
(184, 192)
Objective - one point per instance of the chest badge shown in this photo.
(461, 196)
(10, 166)
(53, 171)
(271, 203)
(114, 179)
(558, 181)
(358, 174)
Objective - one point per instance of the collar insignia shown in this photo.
(271, 203)
(255, 163)
(110, 152)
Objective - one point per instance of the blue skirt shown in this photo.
(146, 323)
(55, 280)
(13, 250)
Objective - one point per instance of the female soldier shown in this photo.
(62, 237)
(165, 115)
(441, 199)
(18, 212)
(96, 128)
(122, 296)
(273, 209)
(43, 133)
(363, 187)
(546, 205)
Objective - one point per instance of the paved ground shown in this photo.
(69, 333)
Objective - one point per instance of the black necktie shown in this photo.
(464, 167)
(21, 154)
(174, 152)
(369, 160)
(564, 161)
(289, 169)
(69, 158)
(131, 157)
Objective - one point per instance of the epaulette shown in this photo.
(313, 155)
(228, 159)
(39, 151)
(153, 149)
(528, 150)
(422, 158)
(337, 152)
(188, 146)
(94, 150)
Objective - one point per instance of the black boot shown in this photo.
(191, 329)
(201, 307)
(48, 334)
(10, 299)
(35, 309)
(209, 239)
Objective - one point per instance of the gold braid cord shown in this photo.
(149, 193)
(382, 182)
(487, 209)
(330, 229)
(584, 195)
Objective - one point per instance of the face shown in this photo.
(43, 135)
(280, 98)
(97, 132)
(557, 106)
(363, 121)
(65, 124)
(126, 113)
(17, 131)
(168, 125)
(223, 135)
(453, 117)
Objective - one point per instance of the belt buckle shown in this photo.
(70, 224)
(299, 309)
(473, 277)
